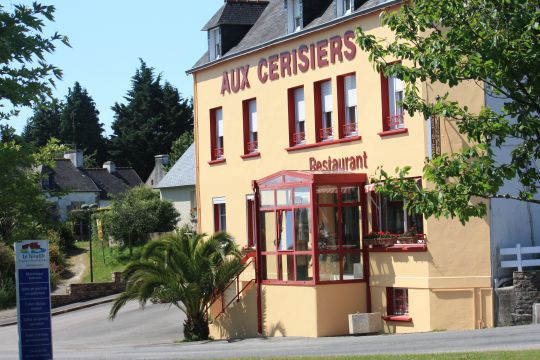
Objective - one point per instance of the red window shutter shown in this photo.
(292, 116)
(341, 105)
(245, 118)
(216, 218)
(212, 133)
(251, 220)
(318, 110)
(389, 301)
(385, 102)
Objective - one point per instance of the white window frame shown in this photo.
(214, 43)
(222, 212)
(342, 7)
(396, 92)
(294, 15)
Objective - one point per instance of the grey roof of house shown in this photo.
(129, 175)
(236, 13)
(183, 171)
(271, 27)
(107, 182)
(69, 178)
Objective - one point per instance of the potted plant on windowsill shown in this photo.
(380, 239)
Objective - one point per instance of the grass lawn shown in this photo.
(107, 260)
(492, 355)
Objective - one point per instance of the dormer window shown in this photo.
(345, 7)
(294, 15)
(214, 43)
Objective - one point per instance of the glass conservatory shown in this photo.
(309, 228)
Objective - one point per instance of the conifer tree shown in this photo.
(44, 124)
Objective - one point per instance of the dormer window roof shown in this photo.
(302, 12)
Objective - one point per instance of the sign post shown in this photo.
(33, 299)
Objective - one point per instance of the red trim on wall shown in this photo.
(216, 217)
(400, 318)
(218, 161)
(250, 214)
(318, 109)
(325, 143)
(393, 132)
(401, 248)
(251, 155)
(385, 102)
(291, 111)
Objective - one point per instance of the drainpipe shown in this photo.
(365, 247)
(258, 258)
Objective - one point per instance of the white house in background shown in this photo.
(512, 222)
(158, 172)
(178, 186)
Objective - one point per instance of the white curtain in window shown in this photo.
(395, 86)
(299, 104)
(350, 90)
(219, 122)
(326, 96)
(253, 115)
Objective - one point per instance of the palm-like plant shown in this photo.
(185, 270)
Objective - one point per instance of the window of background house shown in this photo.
(397, 301)
(250, 127)
(220, 214)
(297, 116)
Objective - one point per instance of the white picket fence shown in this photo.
(519, 262)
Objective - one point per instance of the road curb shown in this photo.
(64, 311)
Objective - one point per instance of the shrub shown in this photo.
(62, 235)
(57, 257)
(8, 293)
(7, 262)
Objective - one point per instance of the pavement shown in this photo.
(9, 316)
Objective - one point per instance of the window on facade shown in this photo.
(294, 15)
(323, 110)
(397, 301)
(214, 43)
(216, 133)
(250, 220)
(251, 144)
(297, 116)
(347, 102)
(220, 215)
(392, 91)
(396, 219)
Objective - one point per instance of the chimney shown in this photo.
(161, 159)
(76, 158)
(110, 166)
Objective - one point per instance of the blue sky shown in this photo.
(109, 36)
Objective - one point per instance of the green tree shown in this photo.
(136, 213)
(80, 124)
(184, 270)
(25, 76)
(149, 122)
(23, 206)
(44, 124)
(179, 147)
(493, 43)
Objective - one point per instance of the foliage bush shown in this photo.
(57, 257)
(62, 234)
(8, 293)
(7, 262)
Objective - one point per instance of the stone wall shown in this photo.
(526, 293)
(84, 292)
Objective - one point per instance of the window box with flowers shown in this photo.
(386, 239)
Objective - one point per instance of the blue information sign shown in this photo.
(33, 300)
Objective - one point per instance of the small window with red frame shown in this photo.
(251, 143)
(216, 134)
(397, 301)
(297, 116)
(323, 110)
(347, 106)
(392, 93)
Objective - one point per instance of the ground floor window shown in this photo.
(397, 301)
(220, 215)
(396, 219)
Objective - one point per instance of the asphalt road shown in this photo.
(151, 334)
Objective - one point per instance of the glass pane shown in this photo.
(302, 229)
(352, 266)
(269, 267)
(283, 197)
(268, 230)
(301, 196)
(328, 267)
(393, 216)
(350, 194)
(274, 181)
(327, 195)
(267, 198)
(287, 267)
(294, 179)
(350, 227)
(328, 228)
(304, 268)
(286, 230)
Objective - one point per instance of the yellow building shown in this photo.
(291, 120)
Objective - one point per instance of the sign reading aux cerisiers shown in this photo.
(289, 63)
(33, 299)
